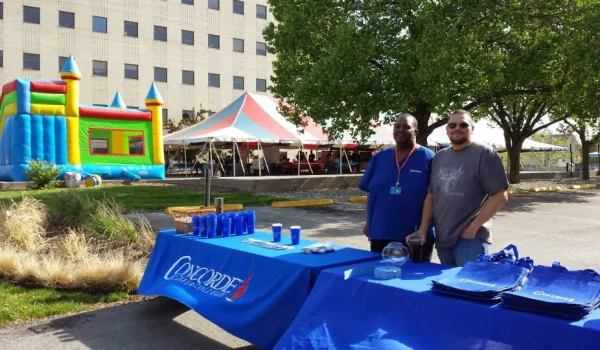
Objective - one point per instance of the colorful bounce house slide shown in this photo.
(43, 120)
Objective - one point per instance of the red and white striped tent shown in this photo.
(250, 118)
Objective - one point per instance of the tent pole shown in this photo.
(264, 158)
(258, 148)
(218, 158)
(233, 153)
(299, 157)
(341, 167)
(185, 160)
(348, 160)
(210, 158)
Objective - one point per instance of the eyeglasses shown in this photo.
(462, 125)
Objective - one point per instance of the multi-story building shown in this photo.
(200, 53)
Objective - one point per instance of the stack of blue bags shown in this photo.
(556, 291)
(489, 277)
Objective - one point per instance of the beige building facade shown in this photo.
(199, 53)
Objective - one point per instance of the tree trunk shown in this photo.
(422, 114)
(586, 145)
(514, 161)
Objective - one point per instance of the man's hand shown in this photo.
(366, 230)
(421, 234)
(470, 232)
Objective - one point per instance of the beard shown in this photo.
(459, 140)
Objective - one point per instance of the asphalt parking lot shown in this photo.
(559, 226)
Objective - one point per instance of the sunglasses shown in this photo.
(462, 125)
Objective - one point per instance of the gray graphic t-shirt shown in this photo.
(461, 181)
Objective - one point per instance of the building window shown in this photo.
(238, 7)
(66, 19)
(61, 62)
(261, 85)
(187, 77)
(261, 49)
(31, 14)
(214, 80)
(99, 24)
(261, 11)
(165, 115)
(1, 10)
(1, 58)
(238, 45)
(213, 41)
(160, 33)
(238, 83)
(213, 4)
(131, 29)
(187, 37)
(100, 68)
(131, 71)
(160, 74)
(31, 61)
(187, 2)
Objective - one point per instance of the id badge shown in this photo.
(395, 190)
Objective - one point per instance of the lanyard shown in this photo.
(403, 164)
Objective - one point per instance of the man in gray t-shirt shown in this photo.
(467, 188)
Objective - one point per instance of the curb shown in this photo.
(302, 203)
(546, 189)
(358, 199)
(583, 186)
(226, 207)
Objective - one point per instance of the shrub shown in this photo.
(42, 174)
(23, 224)
(71, 209)
(107, 224)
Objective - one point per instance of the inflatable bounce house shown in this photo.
(43, 120)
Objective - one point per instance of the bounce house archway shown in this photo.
(43, 120)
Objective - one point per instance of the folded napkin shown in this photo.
(321, 248)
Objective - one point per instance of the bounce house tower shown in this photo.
(44, 120)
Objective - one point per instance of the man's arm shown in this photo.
(491, 206)
(366, 228)
(426, 218)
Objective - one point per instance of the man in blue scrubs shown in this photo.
(396, 180)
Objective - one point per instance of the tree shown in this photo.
(187, 120)
(346, 63)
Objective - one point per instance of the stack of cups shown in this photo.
(250, 221)
(239, 224)
(277, 229)
(225, 221)
(211, 225)
(199, 226)
(295, 233)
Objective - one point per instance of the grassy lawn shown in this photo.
(21, 303)
(145, 198)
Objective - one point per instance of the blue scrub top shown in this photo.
(395, 216)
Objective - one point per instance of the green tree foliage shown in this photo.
(580, 99)
(346, 63)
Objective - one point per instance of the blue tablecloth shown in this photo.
(361, 313)
(251, 292)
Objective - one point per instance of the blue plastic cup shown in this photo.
(196, 222)
(239, 224)
(277, 229)
(250, 221)
(232, 223)
(211, 225)
(202, 227)
(225, 225)
(295, 233)
(244, 220)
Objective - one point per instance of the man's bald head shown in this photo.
(405, 131)
(410, 119)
